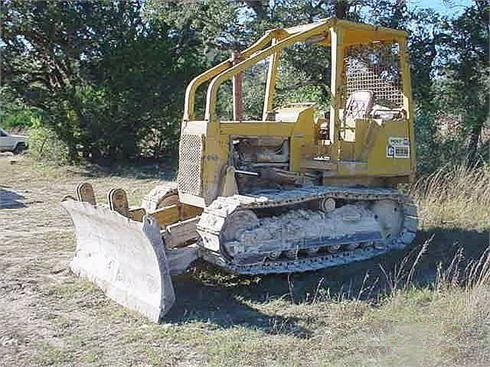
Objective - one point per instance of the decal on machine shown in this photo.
(398, 147)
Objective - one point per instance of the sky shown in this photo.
(446, 7)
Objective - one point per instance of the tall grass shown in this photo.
(455, 197)
(465, 273)
(452, 197)
(474, 274)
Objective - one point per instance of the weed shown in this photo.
(362, 314)
(455, 197)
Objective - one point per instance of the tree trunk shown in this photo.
(341, 9)
(472, 147)
(259, 8)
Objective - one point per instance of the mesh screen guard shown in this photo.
(374, 67)
(190, 159)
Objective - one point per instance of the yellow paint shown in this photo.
(137, 214)
(256, 129)
(175, 213)
(361, 156)
(167, 215)
(271, 82)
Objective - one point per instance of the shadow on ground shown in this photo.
(210, 295)
(221, 305)
(146, 169)
(9, 199)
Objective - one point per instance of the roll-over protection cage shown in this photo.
(362, 57)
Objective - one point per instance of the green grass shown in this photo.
(427, 306)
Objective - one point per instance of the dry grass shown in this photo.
(455, 197)
(425, 307)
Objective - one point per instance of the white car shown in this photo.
(12, 143)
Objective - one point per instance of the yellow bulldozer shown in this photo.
(300, 189)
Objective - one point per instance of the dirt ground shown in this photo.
(50, 317)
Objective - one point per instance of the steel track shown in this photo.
(214, 218)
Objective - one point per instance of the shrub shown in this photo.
(45, 146)
(14, 114)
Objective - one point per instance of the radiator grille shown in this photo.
(374, 67)
(190, 164)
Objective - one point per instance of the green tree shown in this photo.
(465, 74)
(108, 77)
(104, 78)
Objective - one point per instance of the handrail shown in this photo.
(229, 72)
(211, 73)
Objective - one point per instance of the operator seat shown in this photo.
(358, 106)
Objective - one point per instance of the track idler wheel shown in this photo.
(236, 224)
(389, 215)
(161, 196)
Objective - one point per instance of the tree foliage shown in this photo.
(108, 82)
(108, 77)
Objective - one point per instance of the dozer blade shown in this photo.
(125, 258)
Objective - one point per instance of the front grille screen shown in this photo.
(190, 164)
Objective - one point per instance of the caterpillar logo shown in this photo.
(398, 147)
